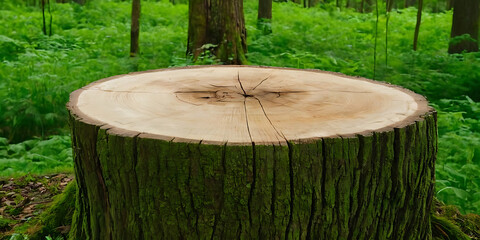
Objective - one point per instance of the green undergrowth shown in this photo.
(37, 72)
(36, 156)
(458, 159)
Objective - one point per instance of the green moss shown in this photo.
(449, 223)
(443, 228)
(5, 224)
(59, 214)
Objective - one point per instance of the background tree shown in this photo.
(417, 26)
(465, 21)
(135, 28)
(449, 4)
(265, 15)
(218, 27)
(44, 25)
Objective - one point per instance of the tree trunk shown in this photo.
(135, 28)
(251, 153)
(417, 25)
(449, 4)
(265, 9)
(465, 21)
(264, 20)
(217, 26)
(389, 5)
(44, 24)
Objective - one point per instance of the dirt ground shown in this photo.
(24, 198)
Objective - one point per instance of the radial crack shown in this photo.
(241, 86)
(261, 82)
(270, 121)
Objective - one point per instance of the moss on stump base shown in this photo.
(225, 152)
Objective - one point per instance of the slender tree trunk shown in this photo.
(51, 19)
(135, 28)
(219, 27)
(362, 6)
(417, 26)
(388, 9)
(389, 5)
(44, 26)
(465, 21)
(264, 20)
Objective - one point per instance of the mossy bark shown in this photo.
(217, 26)
(377, 186)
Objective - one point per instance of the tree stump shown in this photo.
(225, 152)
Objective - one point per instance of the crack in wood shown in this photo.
(261, 82)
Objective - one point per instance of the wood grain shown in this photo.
(240, 105)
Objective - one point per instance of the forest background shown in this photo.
(41, 63)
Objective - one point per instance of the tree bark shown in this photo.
(44, 25)
(265, 9)
(417, 25)
(217, 26)
(291, 154)
(449, 4)
(389, 5)
(465, 21)
(264, 20)
(135, 28)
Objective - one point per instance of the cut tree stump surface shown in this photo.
(241, 105)
(241, 152)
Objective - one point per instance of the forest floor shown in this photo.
(25, 198)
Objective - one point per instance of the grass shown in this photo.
(90, 42)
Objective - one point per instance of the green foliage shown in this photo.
(90, 42)
(36, 156)
(458, 160)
